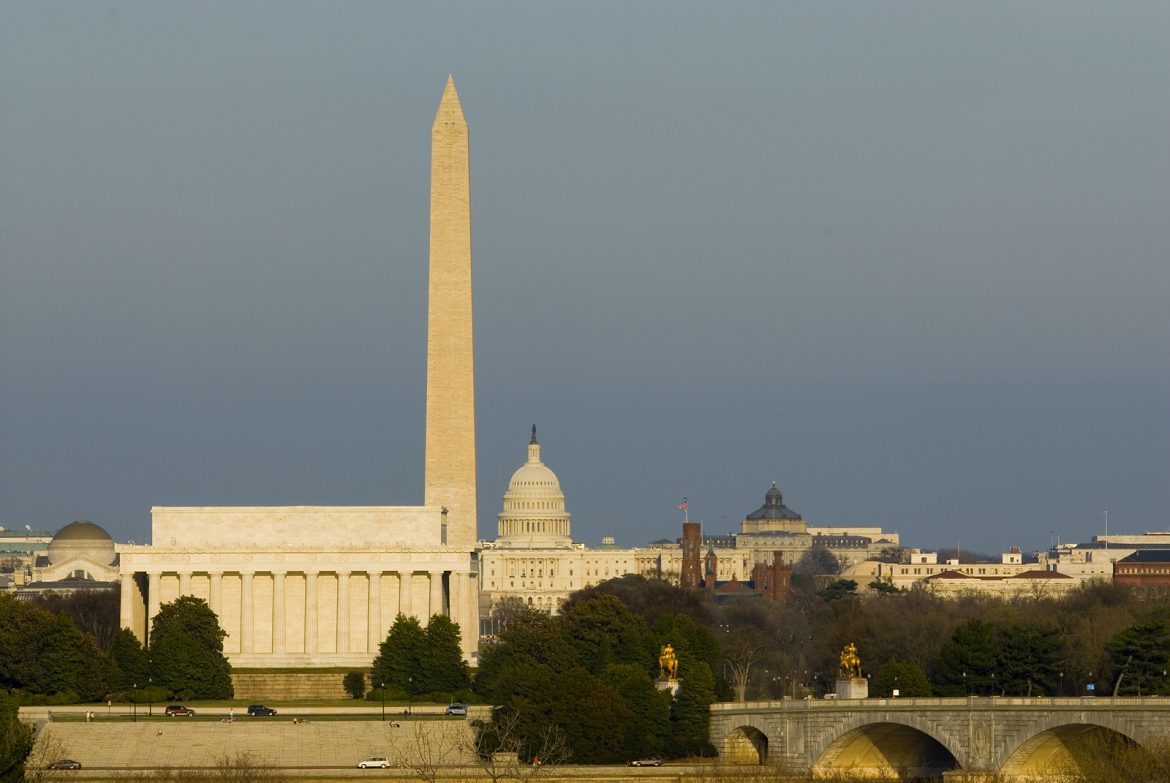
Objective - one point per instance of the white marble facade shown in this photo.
(303, 586)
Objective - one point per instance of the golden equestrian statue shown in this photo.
(668, 663)
(850, 663)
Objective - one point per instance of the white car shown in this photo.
(374, 762)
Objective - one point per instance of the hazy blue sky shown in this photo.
(909, 260)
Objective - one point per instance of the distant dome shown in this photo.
(773, 507)
(82, 539)
(534, 505)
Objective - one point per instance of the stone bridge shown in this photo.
(1018, 738)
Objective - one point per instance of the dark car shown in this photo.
(649, 761)
(65, 764)
(179, 709)
(260, 709)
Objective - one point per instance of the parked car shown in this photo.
(179, 709)
(374, 762)
(649, 761)
(260, 709)
(65, 764)
(456, 709)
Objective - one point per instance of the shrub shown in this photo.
(354, 684)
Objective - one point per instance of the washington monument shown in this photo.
(450, 436)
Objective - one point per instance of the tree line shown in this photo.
(45, 657)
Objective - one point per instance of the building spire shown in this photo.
(450, 110)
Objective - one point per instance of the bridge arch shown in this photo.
(886, 749)
(745, 744)
(1076, 748)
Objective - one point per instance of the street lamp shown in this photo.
(410, 695)
(134, 704)
(383, 686)
(965, 684)
(149, 688)
(1062, 683)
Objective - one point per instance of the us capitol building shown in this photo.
(534, 558)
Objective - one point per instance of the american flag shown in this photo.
(683, 505)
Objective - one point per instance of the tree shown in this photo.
(533, 640)
(743, 648)
(186, 647)
(967, 662)
(498, 746)
(130, 661)
(604, 631)
(906, 677)
(399, 661)
(72, 662)
(649, 731)
(838, 589)
(505, 610)
(692, 642)
(41, 652)
(443, 667)
(354, 684)
(16, 742)
(817, 561)
(690, 714)
(1139, 655)
(1028, 659)
(591, 715)
(94, 612)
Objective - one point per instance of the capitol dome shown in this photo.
(82, 539)
(534, 506)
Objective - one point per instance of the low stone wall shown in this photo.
(288, 687)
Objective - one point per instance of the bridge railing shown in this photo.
(959, 702)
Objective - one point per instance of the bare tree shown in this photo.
(496, 746)
(435, 746)
(48, 748)
(744, 648)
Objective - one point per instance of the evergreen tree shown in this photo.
(41, 652)
(1140, 656)
(690, 715)
(443, 667)
(966, 664)
(649, 731)
(692, 642)
(72, 662)
(532, 640)
(400, 657)
(16, 742)
(186, 647)
(604, 631)
(1028, 661)
(905, 676)
(130, 661)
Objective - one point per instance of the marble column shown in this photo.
(456, 582)
(436, 596)
(126, 608)
(405, 587)
(343, 611)
(374, 612)
(246, 607)
(310, 612)
(215, 593)
(184, 583)
(278, 612)
(153, 599)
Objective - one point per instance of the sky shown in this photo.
(909, 260)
